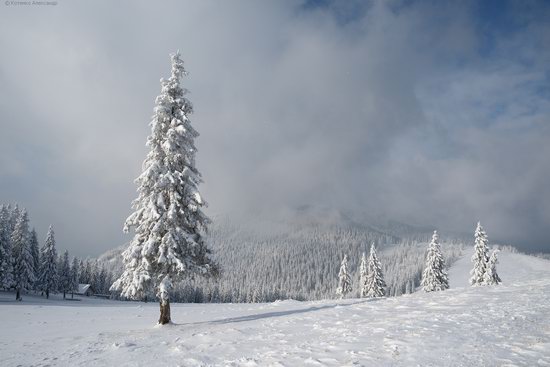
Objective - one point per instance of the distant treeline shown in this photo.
(301, 262)
(25, 266)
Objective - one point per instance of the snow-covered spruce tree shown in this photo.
(75, 273)
(434, 277)
(344, 279)
(23, 272)
(65, 274)
(491, 276)
(14, 214)
(35, 257)
(375, 280)
(48, 265)
(480, 257)
(363, 276)
(87, 274)
(168, 220)
(6, 258)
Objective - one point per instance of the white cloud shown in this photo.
(392, 111)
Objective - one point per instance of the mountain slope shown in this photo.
(297, 255)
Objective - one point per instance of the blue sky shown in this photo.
(430, 112)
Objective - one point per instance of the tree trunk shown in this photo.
(72, 295)
(18, 295)
(47, 293)
(164, 312)
(64, 294)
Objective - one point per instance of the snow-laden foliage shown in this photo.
(491, 276)
(6, 259)
(14, 214)
(48, 279)
(75, 272)
(65, 282)
(34, 268)
(363, 276)
(168, 220)
(434, 277)
(375, 284)
(24, 263)
(266, 260)
(480, 257)
(35, 251)
(344, 279)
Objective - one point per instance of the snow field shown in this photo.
(505, 325)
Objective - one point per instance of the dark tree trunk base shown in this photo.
(48, 294)
(18, 295)
(164, 313)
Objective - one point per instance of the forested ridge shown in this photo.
(299, 257)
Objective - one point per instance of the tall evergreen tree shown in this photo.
(23, 272)
(480, 257)
(48, 265)
(491, 276)
(6, 258)
(168, 220)
(65, 274)
(434, 277)
(363, 276)
(86, 272)
(35, 257)
(81, 271)
(376, 285)
(75, 273)
(344, 279)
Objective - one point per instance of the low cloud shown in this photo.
(430, 113)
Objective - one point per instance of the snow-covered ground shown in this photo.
(505, 325)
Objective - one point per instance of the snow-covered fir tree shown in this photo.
(23, 272)
(480, 257)
(491, 276)
(363, 276)
(48, 265)
(375, 283)
(75, 273)
(14, 214)
(6, 259)
(84, 276)
(168, 220)
(35, 251)
(64, 274)
(344, 279)
(434, 277)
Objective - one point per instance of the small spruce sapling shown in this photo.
(480, 258)
(376, 286)
(344, 279)
(363, 276)
(491, 275)
(434, 277)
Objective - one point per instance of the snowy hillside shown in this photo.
(485, 326)
(297, 256)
